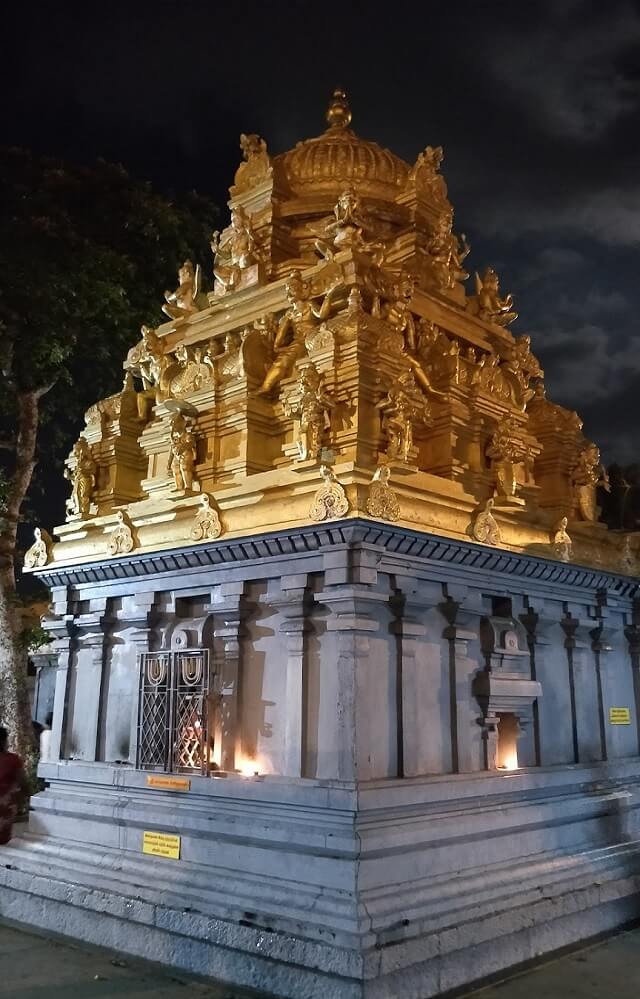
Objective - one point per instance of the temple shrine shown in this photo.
(344, 666)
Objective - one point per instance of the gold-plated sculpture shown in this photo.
(182, 453)
(347, 231)
(311, 405)
(330, 501)
(397, 313)
(382, 502)
(487, 303)
(562, 544)
(235, 252)
(298, 323)
(81, 472)
(256, 165)
(588, 474)
(506, 450)
(485, 527)
(183, 302)
(425, 174)
(403, 408)
(206, 523)
(447, 253)
(39, 553)
(121, 538)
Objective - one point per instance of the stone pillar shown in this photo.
(137, 618)
(632, 634)
(61, 628)
(88, 666)
(586, 703)
(463, 611)
(555, 710)
(226, 634)
(293, 605)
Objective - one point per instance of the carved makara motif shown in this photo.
(206, 523)
(121, 538)
(40, 551)
(81, 472)
(487, 303)
(185, 300)
(256, 164)
(330, 501)
(562, 544)
(311, 405)
(403, 408)
(382, 502)
(485, 528)
(182, 453)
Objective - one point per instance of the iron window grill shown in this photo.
(173, 711)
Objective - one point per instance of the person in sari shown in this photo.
(12, 782)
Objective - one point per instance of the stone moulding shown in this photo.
(397, 542)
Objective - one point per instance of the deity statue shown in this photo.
(256, 164)
(182, 453)
(562, 544)
(298, 323)
(487, 304)
(426, 173)
(447, 255)
(190, 371)
(150, 362)
(206, 523)
(506, 451)
(587, 475)
(347, 231)
(485, 528)
(81, 472)
(330, 500)
(121, 538)
(382, 502)
(234, 251)
(397, 313)
(525, 367)
(183, 301)
(403, 407)
(311, 405)
(40, 551)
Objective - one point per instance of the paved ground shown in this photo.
(34, 966)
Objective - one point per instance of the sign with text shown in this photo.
(161, 845)
(619, 716)
(168, 783)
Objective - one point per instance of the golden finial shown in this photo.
(339, 112)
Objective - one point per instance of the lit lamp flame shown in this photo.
(247, 767)
(509, 761)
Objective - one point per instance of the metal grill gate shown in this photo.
(172, 712)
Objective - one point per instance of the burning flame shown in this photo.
(509, 761)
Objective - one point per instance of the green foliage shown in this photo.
(33, 638)
(85, 255)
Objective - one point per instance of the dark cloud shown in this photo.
(535, 104)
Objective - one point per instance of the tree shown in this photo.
(84, 255)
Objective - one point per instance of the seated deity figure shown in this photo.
(184, 300)
(256, 164)
(299, 321)
(487, 304)
(447, 254)
(234, 251)
(82, 476)
(397, 313)
(347, 230)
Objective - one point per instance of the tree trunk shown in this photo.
(15, 710)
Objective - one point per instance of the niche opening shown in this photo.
(507, 754)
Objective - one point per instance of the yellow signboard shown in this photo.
(169, 783)
(161, 845)
(619, 716)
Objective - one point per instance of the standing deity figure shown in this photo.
(487, 304)
(330, 500)
(588, 474)
(311, 405)
(298, 323)
(397, 313)
(39, 553)
(403, 406)
(525, 367)
(347, 230)
(425, 173)
(150, 363)
(81, 472)
(256, 165)
(485, 528)
(562, 544)
(234, 251)
(506, 452)
(184, 300)
(183, 453)
(382, 502)
(447, 255)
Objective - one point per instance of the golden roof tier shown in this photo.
(336, 368)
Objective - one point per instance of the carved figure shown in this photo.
(256, 165)
(206, 523)
(347, 230)
(588, 474)
(426, 173)
(183, 453)
(234, 251)
(447, 255)
(121, 538)
(382, 502)
(506, 451)
(298, 323)
(562, 544)
(190, 371)
(311, 405)
(524, 366)
(81, 472)
(330, 500)
(149, 361)
(485, 528)
(397, 313)
(403, 407)
(487, 303)
(40, 551)
(184, 300)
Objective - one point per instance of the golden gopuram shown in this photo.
(340, 367)
(344, 669)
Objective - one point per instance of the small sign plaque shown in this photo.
(168, 783)
(161, 845)
(619, 716)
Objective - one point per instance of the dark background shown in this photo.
(536, 105)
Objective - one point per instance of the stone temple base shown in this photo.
(445, 786)
(321, 889)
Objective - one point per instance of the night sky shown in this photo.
(536, 106)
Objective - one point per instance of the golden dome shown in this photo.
(339, 159)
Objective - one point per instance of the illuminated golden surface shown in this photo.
(337, 368)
